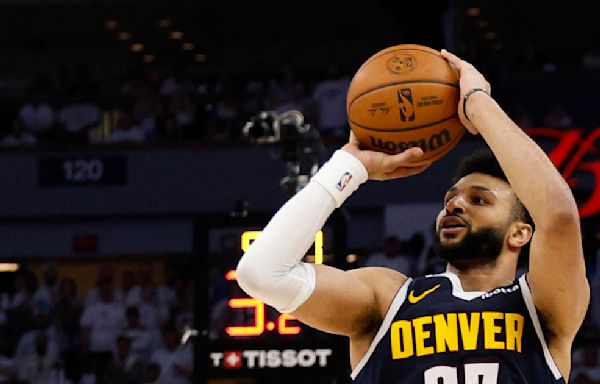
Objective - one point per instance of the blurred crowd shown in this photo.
(119, 332)
(163, 105)
(153, 104)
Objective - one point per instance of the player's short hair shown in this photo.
(484, 161)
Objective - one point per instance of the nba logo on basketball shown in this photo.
(344, 180)
(407, 108)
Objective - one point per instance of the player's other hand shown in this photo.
(470, 78)
(382, 166)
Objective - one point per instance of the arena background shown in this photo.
(124, 167)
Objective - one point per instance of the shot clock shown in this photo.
(285, 324)
(247, 338)
(259, 324)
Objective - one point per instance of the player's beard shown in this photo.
(485, 243)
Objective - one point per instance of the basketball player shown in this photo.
(477, 323)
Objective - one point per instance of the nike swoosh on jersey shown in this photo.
(415, 299)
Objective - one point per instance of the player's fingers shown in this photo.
(458, 63)
(390, 163)
(452, 59)
(406, 171)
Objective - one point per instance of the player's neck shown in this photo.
(484, 275)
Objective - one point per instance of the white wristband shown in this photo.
(341, 176)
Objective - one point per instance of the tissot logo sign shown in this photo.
(272, 358)
(571, 156)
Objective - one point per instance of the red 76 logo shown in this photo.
(568, 157)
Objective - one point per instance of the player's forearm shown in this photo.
(271, 269)
(534, 178)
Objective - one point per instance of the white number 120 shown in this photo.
(474, 373)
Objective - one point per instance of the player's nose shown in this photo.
(456, 204)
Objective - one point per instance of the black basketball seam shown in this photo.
(399, 83)
(400, 49)
(402, 129)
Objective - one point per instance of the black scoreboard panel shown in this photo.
(247, 341)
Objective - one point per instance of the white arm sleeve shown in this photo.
(271, 269)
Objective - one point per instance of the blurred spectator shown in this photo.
(5, 299)
(176, 363)
(37, 115)
(102, 321)
(105, 273)
(68, 309)
(226, 113)
(558, 117)
(285, 91)
(414, 250)
(147, 113)
(19, 308)
(152, 374)
(18, 136)
(127, 131)
(183, 317)
(125, 367)
(166, 291)
(153, 312)
(25, 285)
(143, 340)
(46, 295)
(37, 358)
(527, 58)
(591, 59)
(329, 97)
(392, 256)
(27, 339)
(587, 370)
(255, 89)
(180, 116)
(594, 310)
(128, 281)
(521, 116)
(7, 374)
(78, 117)
(169, 85)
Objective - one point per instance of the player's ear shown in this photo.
(520, 234)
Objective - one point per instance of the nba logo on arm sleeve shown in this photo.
(344, 181)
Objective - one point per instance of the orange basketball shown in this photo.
(406, 96)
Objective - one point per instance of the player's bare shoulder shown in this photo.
(385, 283)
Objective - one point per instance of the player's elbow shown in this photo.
(280, 286)
(250, 275)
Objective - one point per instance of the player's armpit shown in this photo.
(351, 303)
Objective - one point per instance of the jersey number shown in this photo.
(476, 373)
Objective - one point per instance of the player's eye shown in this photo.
(478, 200)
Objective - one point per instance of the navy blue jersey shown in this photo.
(436, 333)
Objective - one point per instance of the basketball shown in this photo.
(406, 96)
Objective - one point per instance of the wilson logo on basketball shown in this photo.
(400, 64)
(407, 108)
(433, 142)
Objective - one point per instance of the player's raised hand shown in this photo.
(470, 79)
(382, 166)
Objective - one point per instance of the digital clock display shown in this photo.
(259, 324)
(246, 337)
(248, 317)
